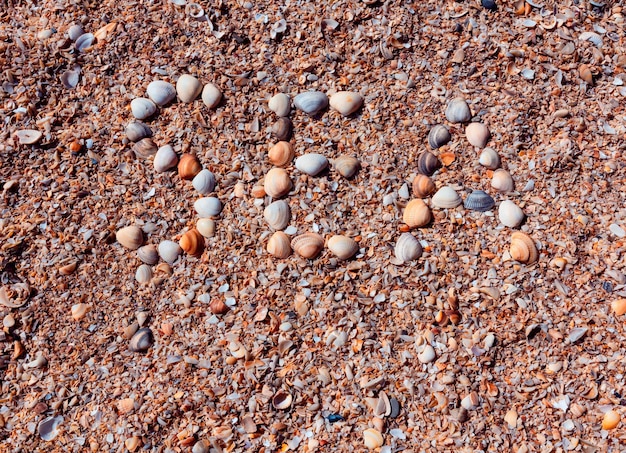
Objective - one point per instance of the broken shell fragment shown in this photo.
(188, 166)
(142, 108)
(308, 245)
(142, 340)
(165, 159)
(312, 164)
(423, 186)
(427, 163)
(408, 248)
(277, 183)
(48, 427)
(343, 247)
(438, 136)
(312, 102)
(477, 134)
(347, 166)
(510, 214)
(479, 200)
(427, 355)
(280, 104)
(277, 214)
(346, 102)
(79, 311)
(282, 400)
(446, 198)
(192, 242)
(502, 181)
(279, 245)
(523, 248)
(28, 136)
(211, 95)
(416, 214)
(458, 111)
(188, 88)
(489, 158)
(130, 237)
(161, 92)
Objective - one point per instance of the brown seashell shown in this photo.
(145, 148)
(347, 166)
(130, 237)
(277, 183)
(308, 245)
(218, 307)
(279, 245)
(282, 400)
(585, 73)
(416, 214)
(343, 247)
(523, 248)
(281, 154)
(427, 163)
(192, 242)
(188, 166)
(423, 186)
(68, 268)
(125, 405)
(619, 306)
(282, 129)
(141, 340)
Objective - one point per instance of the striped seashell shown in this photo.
(308, 245)
(446, 198)
(479, 200)
(277, 214)
(427, 163)
(416, 214)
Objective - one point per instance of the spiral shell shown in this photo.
(347, 166)
(142, 108)
(427, 163)
(312, 163)
(148, 254)
(408, 248)
(280, 104)
(423, 186)
(192, 242)
(169, 251)
(204, 182)
(446, 198)
(130, 237)
(136, 130)
(477, 134)
(211, 95)
(346, 102)
(207, 207)
(502, 181)
(282, 129)
(277, 183)
(479, 200)
(523, 248)
(438, 136)
(164, 159)
(510, 214)
(308, 245)
(416, 214)
(161, 92)
(458, 111)
(311, 102)
(281, 154)
(343, 247)
(277, 214)
(279, 245)
(143, 274)
(188, 166)
(188, 88)
(142, 340)
(489, 158)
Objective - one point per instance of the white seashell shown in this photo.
(143, 274)
(343, 247)
(408, 248)
(489, 158)
(74, 32)
(311, 164)
(204, 182)
(477, 134)
(165, 159)
(280, 104)
(169, 251)
(188, 88)
(510, 214)
(206, 227)
(458, 111)
(208, 207)
(142, 108)
(277, 214)
(502, 181)
(148, 254)
(161, 92)
(48, 427)
(84, 42)
(446, 198)
(372, 438)
(28, 136)
(311, 102)
(427, 355)
(346, 102)
(211, 95)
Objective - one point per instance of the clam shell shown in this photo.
(161, 92)
(169, 251)
(308, 245)
(148, 254)
(188, 166)
(143, 274)
(70, 78)
(346, 166)
(523, 248)
(277, 214)
(142, 340)
(75, 31)
(188, 88)
(192, 242)
(165, 159)
(211, 95)
(346, 102)
(130, 237)
(458, 111)
(280, 104)
(423, 186)
(343, 247)
(510, 214)
(277, 183)
(142, 108)
(477, 134)
(206, 227)
(372, 438)
(204, 182)
(28, 136)
(416, 214)
(208, 207)
(279, 245)
(312, 163)
(136, 130)
(446, 198)
(145, 148)
(479, 200)
(282, 400)
(281, 154)
(489, 158)
(408, 248)
(438, 136)
(282, 129)
(84, 41)
(427, 163)
(48, 427)
(311, 102)
(611, 420)
(502, 181)
(218, 307)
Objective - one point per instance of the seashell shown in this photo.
(343, 247)
(510, 214)
(311, 102)
(277, 214)
(458, 111)
(281, 154)
(372, 438)
(282, 400)
(143, 274)
(446, 198)
(619, 306)
(489, 158)
(68, 269)
(502, 181)
(136, 130)
(308, 245)
(188, 166)
(148, 254)
(192, 242)
(438, 136)
(280, 104)
(479, 200)
(585, 73)
(312, 163)
(125, 405)
(427, 355)
(408, 248)
(423, 186)
(206, 227)
(416, 214)
(84, 42)
(79, 311)
(169, 251)
(346, 166)
(142, 108)
(48, 427)
(204, 182)
(130, 237)
(523, 248)
(75, 31)
(188, 88)
(142, 340)
(477, 134)
(218, 307)
(165, 159)
(427, 163)
(161, 92)
(70, 78)
(28, 136)
(145, 148)
(346, 102)
(279, 245)
(277, 183)
(611, 420)
(208, 207)
(282, 129)
(211, 95)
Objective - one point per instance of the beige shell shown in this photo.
(343, 247)
(188, 88)
(346, 102)
(164, 159)
(280, 104)
(282, 400)
(192, 242)
(477, 134)
(130, 237)
(311, 163)
(489, 158)
(416, 214)
(346, 166)
(28, 136)
(277, 214)
(423, 186)
(281, 154)
(502, 181)
(79, 311)
(372, 438)
(308, 245)
(148, 254)
(211, 95)
(188, 166)
(169, 251)
(510, 214)
(143, 274)
(145, 148)
(523, 248)
(277, 183)
(206, 227)
(446, 198)
(279, 245)
(142, 108)
(408, 248)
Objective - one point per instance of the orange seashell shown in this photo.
(279, 245)
(281, 154)
(523, 248)
(218, 307)
(188, 166)
(585, 73)
(192, 242)
(277, 183)
(611, 420)
(416, 214)
(619, 306)
(125, 405)
(308, 245)
(423, 186)
(447, 158)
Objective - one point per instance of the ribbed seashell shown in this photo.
(130, 237)
(207, 207)
(346, 102)
(282, 129)
(277, 214)
(218, 307)
(142, 340)
(347, 166)
(446, 198)
(75, 31)
(161, 92)
(502, 181)
(206, 227)
(165, 159)
(145, 148)
(280, 104)
(416, 214)
(427, 163)
(308, 245)
(438, 136)
(204, 182)
(489, 158)
(143, 274)
(477, 134)
(281, 154)
(188, 166)
(188, 88)
(408, 248)
(142, 108)
(423, 186)
(148, 254)
(279, 245)
(479, 200)
(523, 248)
(311, 102)
(136, 130)
(211, 95)
(510, 214)
(343, 247)
(458, 111)
(169, 251)
(277, 183)
(312, 163)
(192, 242)
(372, 438)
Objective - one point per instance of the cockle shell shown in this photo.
(206, 227)
(188, 88)
(372, 438)
(204, 182)
(142, 108)
(192, 242)
(308, 245)
(282, 129)
(479, 200)
(164, 159)
(502, 181)
(408, 248)
(277, 183)
(282, 400)
(346, 166)
(75, 31)
(211, 95)
(312, 163)
(585, 73)
(145, 148)
(510, 214)
(416, 214)
(207, 207)
(161, 92)
(277, 214)
(423, 186)
(142, 340)
(280, 104)
(136, 130)
(281, 154)
(279, 245)
(169, 251)
(311, 102)
(427, 163)
(477, 134)
(218, 307)
(438, 136)
(28, 136)
(188, 166)
(148, 254)
(343, 247)
(446, 198)
(130, 237)
(489, 158)
(346, 102)
(523, 248)
(143, 274)
(458, 111)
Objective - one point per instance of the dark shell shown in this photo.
(142, 340)
(438, 136)
(145, 148)
(427, 163)
(283, 129)
(479, 200)
(137, 130)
